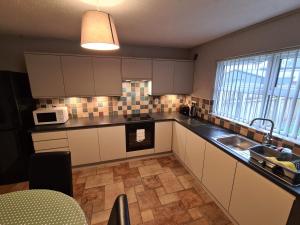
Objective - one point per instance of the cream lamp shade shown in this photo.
(98, 31)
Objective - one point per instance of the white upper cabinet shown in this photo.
(218, 173)
(45, 75)
(183, 77)
(136, 69)
(78, 76)
(107, 75)
(163, 77)
(256, 200)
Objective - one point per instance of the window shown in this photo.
(266, 86)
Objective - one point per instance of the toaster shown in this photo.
(184, 109)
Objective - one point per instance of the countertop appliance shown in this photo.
(139, 132)
(16, 105)
(53, 115)
(194, 110)
(184, 109)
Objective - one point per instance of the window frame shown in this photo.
(273, 69)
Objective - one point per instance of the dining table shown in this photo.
(39, 206)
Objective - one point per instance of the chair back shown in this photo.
(51, 170)
(119, 214)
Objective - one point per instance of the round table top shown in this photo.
(40, 207)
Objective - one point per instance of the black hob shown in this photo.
(138, 117)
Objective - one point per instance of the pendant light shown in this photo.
(98, 31)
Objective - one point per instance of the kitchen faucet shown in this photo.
(268, 137)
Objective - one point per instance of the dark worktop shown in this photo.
(202, 128)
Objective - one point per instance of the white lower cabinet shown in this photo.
(256, 200)
(84, 146)
(112, 142)
(163, 136)
(218, 174)
(194, 153)
(179, 140)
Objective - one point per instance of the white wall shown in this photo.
(281, 32)
(12, 50)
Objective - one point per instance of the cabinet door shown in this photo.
(218, 173)
(84, 146)
(78, 75)
(163, 76)
(256, 200)
(183, 77)
(45, 75)
(112, 142)
(194, 153)
(179, 140)
(133, 68)
(163, 136)
(107, 75)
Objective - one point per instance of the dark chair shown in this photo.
(51, 170)
(119, 214)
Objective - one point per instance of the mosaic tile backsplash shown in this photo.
(135, 99)
(205, 107)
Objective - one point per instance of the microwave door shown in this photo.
(46, 117)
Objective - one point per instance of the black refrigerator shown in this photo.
(16, 106)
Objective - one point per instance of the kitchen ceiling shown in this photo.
(170, 23)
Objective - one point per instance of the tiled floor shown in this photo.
(159, 190)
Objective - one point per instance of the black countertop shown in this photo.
(202, 128)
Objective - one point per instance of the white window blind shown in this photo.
(266, 86)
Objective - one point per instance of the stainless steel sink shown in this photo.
(236, 142)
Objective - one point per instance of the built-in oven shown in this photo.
(139, 134)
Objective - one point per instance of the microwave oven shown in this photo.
(53, 115)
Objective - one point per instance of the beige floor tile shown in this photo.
(195, 213)
(99, 180)
(136, 163)
(100, 216)
(131, 181)
(151, 182)
(131, 197)
(214, 214)
(111, 193)
(147, 215)
(190, 198)
(80, 180)
(91, 194)
(202, 221)
(118, 179)
(151, 170)
(160, 191)
(173, 213)
(135, 215)
(84, 172)
(170, 183)
(101, 170)
(186, 181)
(168, 198)
(150, 162)
(147, 199)
(139, 188)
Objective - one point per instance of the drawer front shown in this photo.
(54, 150)
(44, 145)
(44, 136)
